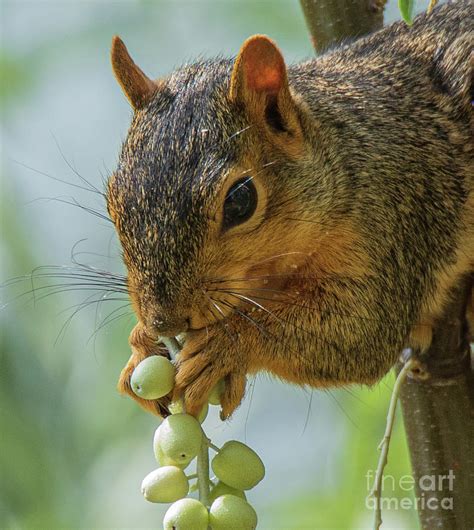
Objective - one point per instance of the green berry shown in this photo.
(153, 377)
(238, 466)
(223, 489)
(203, 414)
(164, 460)
(216, 393)
(231, 513)
(179, 438)
(165, 484)
(186, 514)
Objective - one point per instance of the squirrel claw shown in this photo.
(194, 383)
(200, 367)
(233, 394)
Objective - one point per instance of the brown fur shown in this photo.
(363, 165)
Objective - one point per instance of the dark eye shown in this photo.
(240, 203)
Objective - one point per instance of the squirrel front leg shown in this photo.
(228, 351)
(322, 340)
(142, 346)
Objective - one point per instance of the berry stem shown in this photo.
(173, 346)
(203, 473)
(212, 446)
(191, 477)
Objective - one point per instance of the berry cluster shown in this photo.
(177, 442)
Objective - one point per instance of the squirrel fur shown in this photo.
(362, 161)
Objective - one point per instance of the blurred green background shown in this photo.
(72, 451)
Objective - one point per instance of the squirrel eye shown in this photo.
(240, 203)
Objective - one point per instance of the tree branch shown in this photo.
(438, 412)
(332, 21)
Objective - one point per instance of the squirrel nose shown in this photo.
(170, 327)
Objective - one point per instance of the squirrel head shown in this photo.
(205, 189)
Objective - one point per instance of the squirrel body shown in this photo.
(308, 221)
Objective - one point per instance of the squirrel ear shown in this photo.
(259, 67)
(137, 87)
(259, 82)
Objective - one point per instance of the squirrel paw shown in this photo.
(200, 368)
(142, 347)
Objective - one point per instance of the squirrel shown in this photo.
(309, 221)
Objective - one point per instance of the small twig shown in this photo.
(431, 5)
(384, 445)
